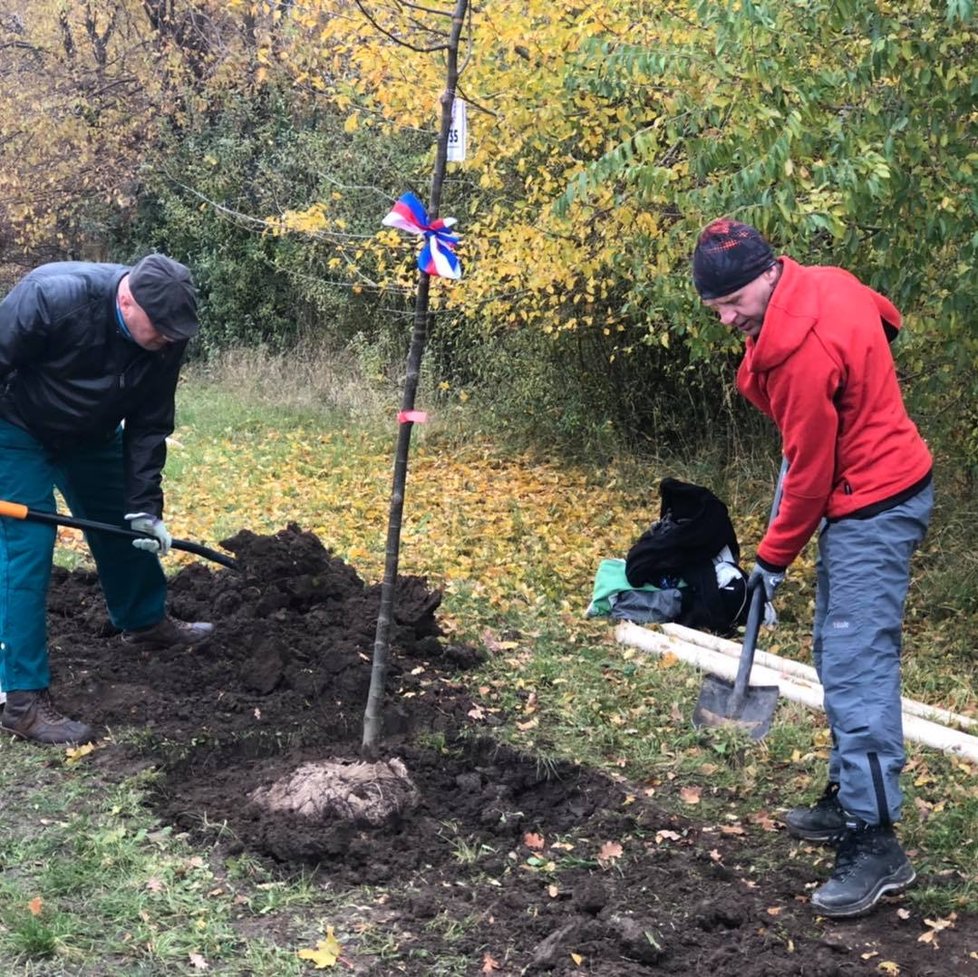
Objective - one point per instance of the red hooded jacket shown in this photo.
(822, 369)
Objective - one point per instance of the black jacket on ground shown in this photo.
(693, 527)
(69, 376)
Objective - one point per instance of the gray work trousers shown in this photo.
(863, 572)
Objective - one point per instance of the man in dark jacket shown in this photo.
(817, 362)
(89, 360)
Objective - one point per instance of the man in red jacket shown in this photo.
(817, 362)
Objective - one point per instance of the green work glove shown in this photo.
(144, 522)
(766, 576)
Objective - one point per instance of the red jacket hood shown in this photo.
(798, 302)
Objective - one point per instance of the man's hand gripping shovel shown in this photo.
(15, 510)
(752, 708)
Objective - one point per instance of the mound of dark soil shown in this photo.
(503, 858)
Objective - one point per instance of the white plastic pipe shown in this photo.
(801, 670)
(716, 663)
(796, 688)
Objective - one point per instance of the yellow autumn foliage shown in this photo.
(530, 132)
(506, 527)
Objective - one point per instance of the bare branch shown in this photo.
(394, 38)
(67, 41)
(428, 10)
(261, 223)
(24, 46)
(470, 44)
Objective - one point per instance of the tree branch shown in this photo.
(261, 223)
(394, 38)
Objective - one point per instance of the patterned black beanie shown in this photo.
(728, 255)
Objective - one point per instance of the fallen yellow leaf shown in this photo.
(690, 795)
(610, 851)
(326, 953)
(493, 644)
(489, 964)
(75, 753)
(762, 819)
(942, 924)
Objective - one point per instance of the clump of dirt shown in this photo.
(365, 793)
(500, 858)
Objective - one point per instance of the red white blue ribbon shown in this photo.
(437, 257)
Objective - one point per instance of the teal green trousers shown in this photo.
(91, 479)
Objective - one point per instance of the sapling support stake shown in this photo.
(373, 714)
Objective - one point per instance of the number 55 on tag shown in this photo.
(458, 133)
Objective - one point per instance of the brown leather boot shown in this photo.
(168, 632)
(32, 716)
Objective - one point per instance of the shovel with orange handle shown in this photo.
(14, 510)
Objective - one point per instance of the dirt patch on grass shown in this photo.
(502, 860)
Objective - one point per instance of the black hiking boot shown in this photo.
(823, 821)
(32, 716)
(168, 632)
(869, 864)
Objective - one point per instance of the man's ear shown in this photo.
(124, 296)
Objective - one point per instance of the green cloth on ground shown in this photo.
(609, 580)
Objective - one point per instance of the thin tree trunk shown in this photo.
(373, 715)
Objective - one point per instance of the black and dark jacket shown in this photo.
(69, 376)
(693, 528)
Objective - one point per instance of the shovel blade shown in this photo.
(754, 714)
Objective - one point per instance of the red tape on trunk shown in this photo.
(412, 417)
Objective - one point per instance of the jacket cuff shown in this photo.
(770, 567)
